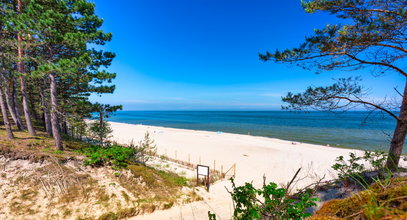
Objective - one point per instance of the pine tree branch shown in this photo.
(367, 103)
(377, 63)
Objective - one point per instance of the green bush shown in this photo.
(350, 168)
(355, 165)
(115, 155)
(270, 202)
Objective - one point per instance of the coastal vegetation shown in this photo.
(364, 189)
(55, 163)
(85, 181)
(51, 62)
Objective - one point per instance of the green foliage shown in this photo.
(326, 98)
(62, 39)
(100, 131)
(376, 159)
(270, 201)
(353, 168)
(115, 155)
(158, 178)
(100, 128)
(211, 216)
(348, 168)
(143, 152)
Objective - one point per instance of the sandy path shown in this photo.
(254, 156)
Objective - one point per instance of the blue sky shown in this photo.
(203, 54)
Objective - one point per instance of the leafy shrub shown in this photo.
(348, 168)
(115, 155)
(353, 168)
(275, 203)
(376, 159)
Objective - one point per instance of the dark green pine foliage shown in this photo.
(61, 66)
(373, 37)
(99, 128)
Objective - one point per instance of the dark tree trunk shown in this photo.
(54, 113)
(15, 101)
(4, 113)
(7, 83)
(26, 109)
(101, 126)
(23, 86)
(10, 106)
(32, 105)
(47, 119)
(399, 136)
(64, 126)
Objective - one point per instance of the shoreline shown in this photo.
(250, 135)
(254, 156)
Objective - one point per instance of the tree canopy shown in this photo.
(49, 59)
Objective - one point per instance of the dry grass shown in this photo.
(377, 202)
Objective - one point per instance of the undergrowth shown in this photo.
(382, 200)
(116, 156)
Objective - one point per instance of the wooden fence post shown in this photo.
(234, 171)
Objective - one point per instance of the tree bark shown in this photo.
(64, 126)
(101, 125)
(54, 113)
(23, 86)
(4, 113)
(399, 136)
(10, 106)
(32, 105)
(26, 109)
(15, 101)
(47, 119)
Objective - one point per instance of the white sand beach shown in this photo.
(254, 157)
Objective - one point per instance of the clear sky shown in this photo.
(203, 54)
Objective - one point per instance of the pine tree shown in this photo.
(373, 38)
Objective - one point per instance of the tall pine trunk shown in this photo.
(399, 136)
(15, 101)
(7, 95)
(26, 109)
(10, 106)
(54, 113)
(4, 113)
(32, 104)
(47, 119)
(23, 86)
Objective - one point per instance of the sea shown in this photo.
(351, 129)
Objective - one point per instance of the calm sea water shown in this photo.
(349, 129)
